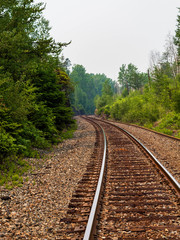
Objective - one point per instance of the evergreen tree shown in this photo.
(87, 87)
(33, 85)
(130, 78)
(177, 41)
(177, 37)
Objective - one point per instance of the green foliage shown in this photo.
(177, 37)
(68, 133)
(7, 144)
(156, 106)
(103, 102)
(11, 172)
(87, 88)
(171, 121)
(107, 110)
(106, 89)
(33, 136)
(130, 78)
(141, 108)
(176, 99)
(19, 98)
(168, 124)
(34, 88)
(43, 118)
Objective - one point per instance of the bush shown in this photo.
(35, 136)
(44, 120)
(7, 144)
(11, 170)
(107, 110)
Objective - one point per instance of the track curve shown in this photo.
(147, 129)
(165, 148)
(137, 202)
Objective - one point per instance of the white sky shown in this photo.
(108, 33)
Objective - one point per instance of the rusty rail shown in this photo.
(91, 224)
(86, 214)
(168, 175)
(173, 181)
(90, 228)
(147, 129)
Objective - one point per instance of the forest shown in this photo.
(149, 99)
(40, 93)
(88, 87)
(34, 86)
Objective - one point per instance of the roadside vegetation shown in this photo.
(35, 88)
(153, 99)
(87, 87)
(39, 94)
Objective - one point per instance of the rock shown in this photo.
(5, 198)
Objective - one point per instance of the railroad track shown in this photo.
(138, 200)
(150, 130)
(165, 147)
(74, 225)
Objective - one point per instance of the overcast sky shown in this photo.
(108, 33)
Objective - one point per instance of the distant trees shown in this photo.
(105, 98)
(82, 98)
(151, 100)
(177, 39)
(87, 87)
(130, 78)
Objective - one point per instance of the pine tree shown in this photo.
(177, 39)
(33, 85)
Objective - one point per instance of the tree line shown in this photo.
(34, 86)
(39, 94)
(87, 87)
(151, 99)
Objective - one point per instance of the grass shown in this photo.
(11, 172)
(12, 168)
(169, 124)
(68, 133)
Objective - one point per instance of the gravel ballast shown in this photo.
(34, 210)
(165, 149)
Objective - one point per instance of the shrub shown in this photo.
(7, 144)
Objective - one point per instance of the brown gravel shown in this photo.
(34, 210)
(166, 150)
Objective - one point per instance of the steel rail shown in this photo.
(93, 213)
(150, 130)
(90, 228)
(162, 168)
(172, 180)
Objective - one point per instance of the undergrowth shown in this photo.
(13, 167)
(68, 133)
(12, 170)
(169, 124)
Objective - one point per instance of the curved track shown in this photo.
(164, 147)
(74, 225)
(147, 129)
(137, 202)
